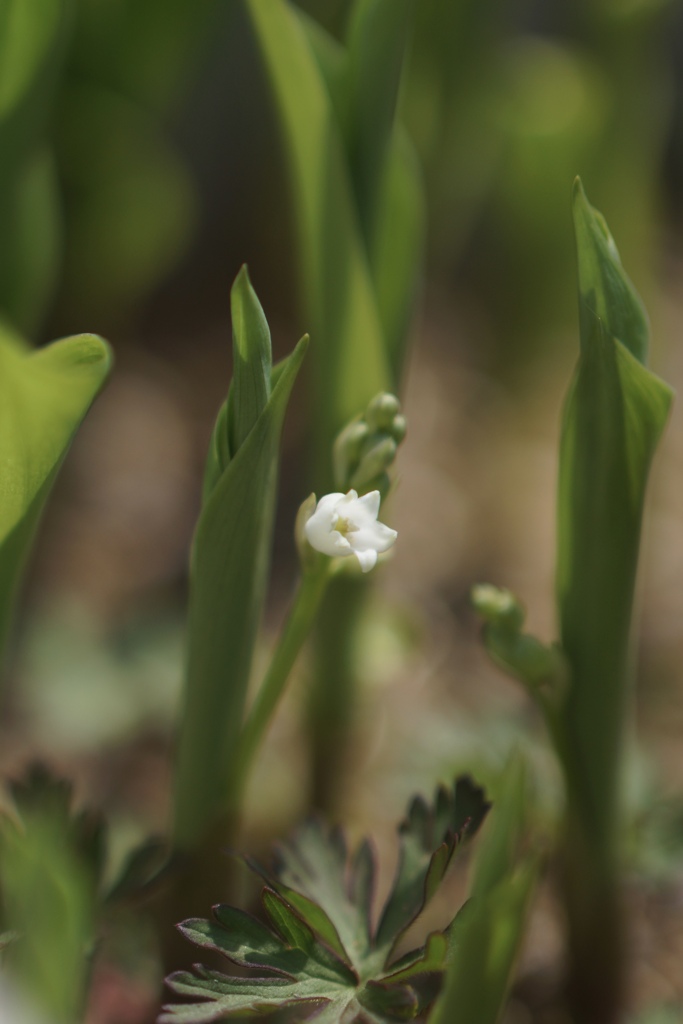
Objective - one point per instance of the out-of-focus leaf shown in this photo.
(27, 33)
(351, 360)
(318, 952)
(613, 418)
(50, 866)
(396, 245)
(229, 569)
(143, 48)
(487, 933)
(484, 954)
(33, 37)
(376, 44)
(131, 202)
(44, 395)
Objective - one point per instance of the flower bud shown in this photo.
(347, 451)
(366, 448)
(374, 464)
(498, 606)
(382, 410)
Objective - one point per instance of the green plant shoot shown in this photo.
(229, 570)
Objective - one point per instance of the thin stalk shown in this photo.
(333, 693)
(307, 601)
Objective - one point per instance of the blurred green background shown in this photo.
(141, 163)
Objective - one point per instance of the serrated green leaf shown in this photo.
(614, 415)
(431, 958)
(44, 395)
(50, 870)
(320, 893)
(232, 543)
(429, 838)
(392, 1002)
(314, 864)
(322, 962)
(315, 916)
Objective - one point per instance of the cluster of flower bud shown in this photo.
(366, 448)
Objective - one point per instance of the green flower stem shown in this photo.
(307, 601)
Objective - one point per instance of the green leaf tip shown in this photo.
(232, 543)
(605, 290)
(252, 360)
(318, 952)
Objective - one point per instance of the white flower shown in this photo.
(344, 524)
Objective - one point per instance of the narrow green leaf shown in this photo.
(482, 962)
(253, 360)
(351, 362)
(397, 244)
(613, 418)
(376, 42)
(44, 395)
(487, 933)
(228, 579)
(604, 286)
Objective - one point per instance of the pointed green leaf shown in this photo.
(44, 396)
(253, 360)
(228, 579)
(613, 418)
(604, 286)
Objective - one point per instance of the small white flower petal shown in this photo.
(367, 559)
(369, 504)
(329, 502)
(344, 524)
(373, 535)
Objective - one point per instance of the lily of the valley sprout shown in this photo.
(344, 524)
